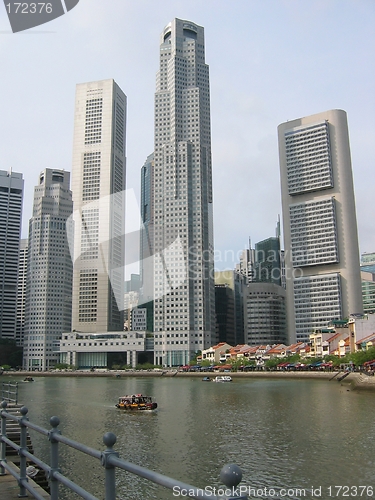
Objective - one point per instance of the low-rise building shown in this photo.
(87, 350)
(217, 353)
(366, 343)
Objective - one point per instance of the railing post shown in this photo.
(3, 445)
(109, 440)
(231, 476)
(54, 484)
(23, 446)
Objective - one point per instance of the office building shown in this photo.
(267, 265)
(21, 291)
(98, 185)
(233, 283)
(184, 290)
(225, 317)
(146, 264)
(368, 282)
(48, 307)
(264, 314)
(11, 193)
(320, 228)
(246, 265)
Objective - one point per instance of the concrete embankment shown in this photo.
(353, 380)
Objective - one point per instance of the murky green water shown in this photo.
(282, 433)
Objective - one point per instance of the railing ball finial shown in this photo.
(231, 475)
(54, 421)
(24, 411)
(109, 439)
(4, 404)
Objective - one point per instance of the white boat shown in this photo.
(222, 378)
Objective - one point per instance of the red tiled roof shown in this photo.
(331, 339)
(366, 339)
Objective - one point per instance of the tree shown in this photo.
(10, 353)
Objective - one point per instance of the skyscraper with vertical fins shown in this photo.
(184, 290)
(98, 185)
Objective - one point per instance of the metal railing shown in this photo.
(230, 475)
(9, 392)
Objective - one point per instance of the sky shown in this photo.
(270, 61)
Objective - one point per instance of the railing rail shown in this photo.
(9, 392)
(230, 475)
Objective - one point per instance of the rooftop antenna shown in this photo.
(278, 227)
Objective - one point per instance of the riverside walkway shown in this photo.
(9, 489)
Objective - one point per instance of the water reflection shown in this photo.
(281, 433)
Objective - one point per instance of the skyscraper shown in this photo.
(147, 231)
(48, 309)
(98, 185)
(21, 291)
(184, 290)
(11, 193)
(320, 227)
(267, 266)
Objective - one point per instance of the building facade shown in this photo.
(21, 291)
(184, 290)
(319, 218)
(146, 246)
(264, 314)
(11, 195)
(235, 284)
(246, 265)
(225, 314)
(98, 185)
(267, 266)
(49, 271)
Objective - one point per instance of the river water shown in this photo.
(314, 435)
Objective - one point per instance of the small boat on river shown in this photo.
(28, 379)
(136, 402)
(206, 379)
(222, 378)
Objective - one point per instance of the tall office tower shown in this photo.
(48, 309)
(184, 290)
(146, 246)
(11, 192)
(319, 218)
(98, 185)
(246, 265)
(225, 314)
(264, 314)
(236, 283)
(21, 291)
(267, 266)
(368, 282)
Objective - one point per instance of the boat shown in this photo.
(206, 379)
(28, 379)
(222, 378)
(136, 402)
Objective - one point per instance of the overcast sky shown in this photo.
(270, 61)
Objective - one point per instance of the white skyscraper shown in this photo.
(98, 184)
(11, 193)
(184, 290)
(48, 309)
(320, 227)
